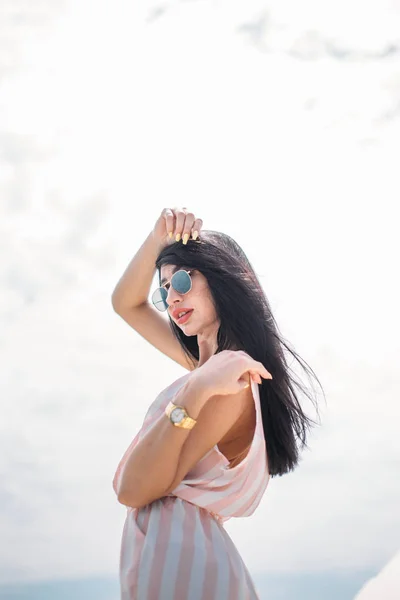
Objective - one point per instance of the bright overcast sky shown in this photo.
(275, 122)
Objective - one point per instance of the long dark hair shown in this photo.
(247, 323)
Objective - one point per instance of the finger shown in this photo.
(180, 220)
(249, 364)
(197, 225)
(255, 377)
(189, 220)
(258, 367)
(263, 372)
(169, 221)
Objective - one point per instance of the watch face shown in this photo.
(177, 415)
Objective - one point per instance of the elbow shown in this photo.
(114, 302)
(126, 499)
(124, 496)
(120, 308)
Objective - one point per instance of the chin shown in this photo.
(186, 329)
(190, 331)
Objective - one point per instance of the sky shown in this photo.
(275, 122)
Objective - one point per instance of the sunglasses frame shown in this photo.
(188, 271)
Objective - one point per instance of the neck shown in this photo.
(207, 342)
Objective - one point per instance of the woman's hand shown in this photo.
(229, 371)
(176, 224)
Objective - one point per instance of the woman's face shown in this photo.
(203, 317)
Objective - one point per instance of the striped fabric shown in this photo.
(176, 548)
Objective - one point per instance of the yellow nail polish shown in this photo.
(185, 238)
(170, 234)
(195, 234)
(177, 237)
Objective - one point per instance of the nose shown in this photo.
(173, 296)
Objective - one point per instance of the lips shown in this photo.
(176, 311)
(185, 317)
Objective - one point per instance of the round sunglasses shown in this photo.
(180, 281)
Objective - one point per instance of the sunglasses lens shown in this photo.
(159, 299)
(181, 282)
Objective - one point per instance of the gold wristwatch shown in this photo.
(179, 417)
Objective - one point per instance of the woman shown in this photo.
(211, 440)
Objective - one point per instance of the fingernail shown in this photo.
(185, 238)
(170, 234)
(195, 234)
(177, 237)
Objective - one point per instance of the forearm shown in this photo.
(152, 465)
(133, 287)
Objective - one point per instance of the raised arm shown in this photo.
(130, 296)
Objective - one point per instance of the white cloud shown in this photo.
(295, 159)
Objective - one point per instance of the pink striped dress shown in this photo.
(176, 547)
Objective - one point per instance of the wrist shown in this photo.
(192, 396)
(158, 242)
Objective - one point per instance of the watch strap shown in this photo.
(186, 423)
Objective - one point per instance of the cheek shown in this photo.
(209, 307)
(202, 299)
